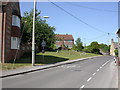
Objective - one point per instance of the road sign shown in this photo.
(43, 43)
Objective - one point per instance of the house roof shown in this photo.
(64, 36)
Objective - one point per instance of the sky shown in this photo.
(91, 21)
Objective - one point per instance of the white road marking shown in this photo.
(100, 67)
(97, 69)
(89, 79)
(82, 86)
(103, 65)
(94, 74)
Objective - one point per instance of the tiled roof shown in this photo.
(65, 36)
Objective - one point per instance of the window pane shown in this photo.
(15, 20)
(15, 43)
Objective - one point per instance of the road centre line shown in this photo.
(98, 69)
(94, 74)
(89, 79)
(105, 63)
(82, 86)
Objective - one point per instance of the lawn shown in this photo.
(68, 54)
(47, 58)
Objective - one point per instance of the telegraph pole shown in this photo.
(33, 35)
(84, 42)
(108, 38)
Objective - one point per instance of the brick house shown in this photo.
(10, 32)
(64, 41)
(114, 45)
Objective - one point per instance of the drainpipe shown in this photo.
(1, 33)
(2, 52)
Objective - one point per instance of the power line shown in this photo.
(96, 9)
(96, 29)
(96, 37)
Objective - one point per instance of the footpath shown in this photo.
(28, 69)
(119, 77)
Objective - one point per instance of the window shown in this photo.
(57, 45)
(15, 20)
(23, 48)
(70, 46)
(57, 41)
(70, 41)
(15, 43)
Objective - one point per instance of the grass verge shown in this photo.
(47, 58)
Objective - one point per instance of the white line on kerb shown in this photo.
(98, 70)
(89, 79)
(94, 74)
(82, 86)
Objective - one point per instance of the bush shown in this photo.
(116, 52)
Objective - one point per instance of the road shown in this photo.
(99, 72)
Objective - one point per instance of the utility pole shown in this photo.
(84, 42)
(108, 38)
(33, 35)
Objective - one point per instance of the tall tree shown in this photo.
(92, 48)
(79, 45)
(105, 48)
(95, 47)
(42, 30)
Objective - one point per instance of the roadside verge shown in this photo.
(37, 68)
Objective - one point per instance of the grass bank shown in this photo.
(47, 58)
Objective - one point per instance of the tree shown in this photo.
(95, 48)
(42, 30)
(87, 49)
(92, 48)
(79, 45)
(105, 48)
(116, 52)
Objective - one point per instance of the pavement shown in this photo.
(97, 72)
(29, 69)
(119, 77)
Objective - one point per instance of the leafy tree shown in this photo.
(92, 48)
(87, 49)
(95, 48)
(116, 52)
(105, 48)
(94, 45)
(79, 45)
(42, 30)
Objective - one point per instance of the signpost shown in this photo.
(43, 47)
